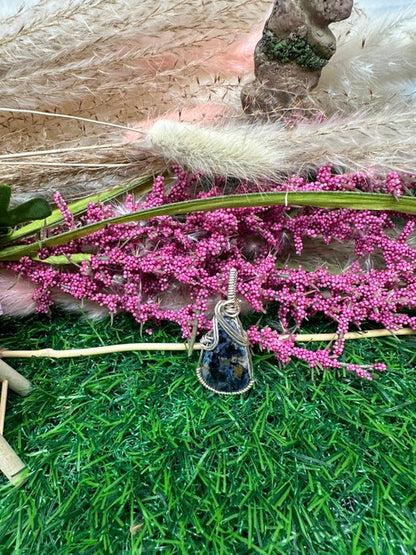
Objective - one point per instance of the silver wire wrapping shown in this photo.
(225, 364)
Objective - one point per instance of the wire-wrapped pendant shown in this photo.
(225, 364)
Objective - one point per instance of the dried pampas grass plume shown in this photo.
(117, 62)
(374, 65)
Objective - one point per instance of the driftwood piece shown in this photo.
(295, 46)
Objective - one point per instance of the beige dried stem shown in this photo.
(10, 463)
(3, 403)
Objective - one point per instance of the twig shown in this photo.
(52, 353)
(64, 164)
(303, 337)
(12, 155)
(307, 338)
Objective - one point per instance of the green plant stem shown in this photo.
(321, 199)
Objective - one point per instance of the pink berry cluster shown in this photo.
(176, 268)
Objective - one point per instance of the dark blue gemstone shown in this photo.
(228, 367)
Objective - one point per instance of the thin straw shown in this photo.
(67, 116)
(3, 402)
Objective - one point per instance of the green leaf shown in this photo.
(5, 194)
(34, 209)
(322, 199)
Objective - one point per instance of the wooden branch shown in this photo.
(108, 349)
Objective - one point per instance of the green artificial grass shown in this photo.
(129, 454)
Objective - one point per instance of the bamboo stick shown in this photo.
(108, 349)
(3, 402)
(10, 464)
(17, 382)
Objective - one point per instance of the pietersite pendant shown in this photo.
(225, 364)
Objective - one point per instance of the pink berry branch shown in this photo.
(159, 266)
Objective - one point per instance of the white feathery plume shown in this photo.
(374, 64)
(114, 61)
(103, 52)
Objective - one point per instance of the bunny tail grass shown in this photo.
(372, 141)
